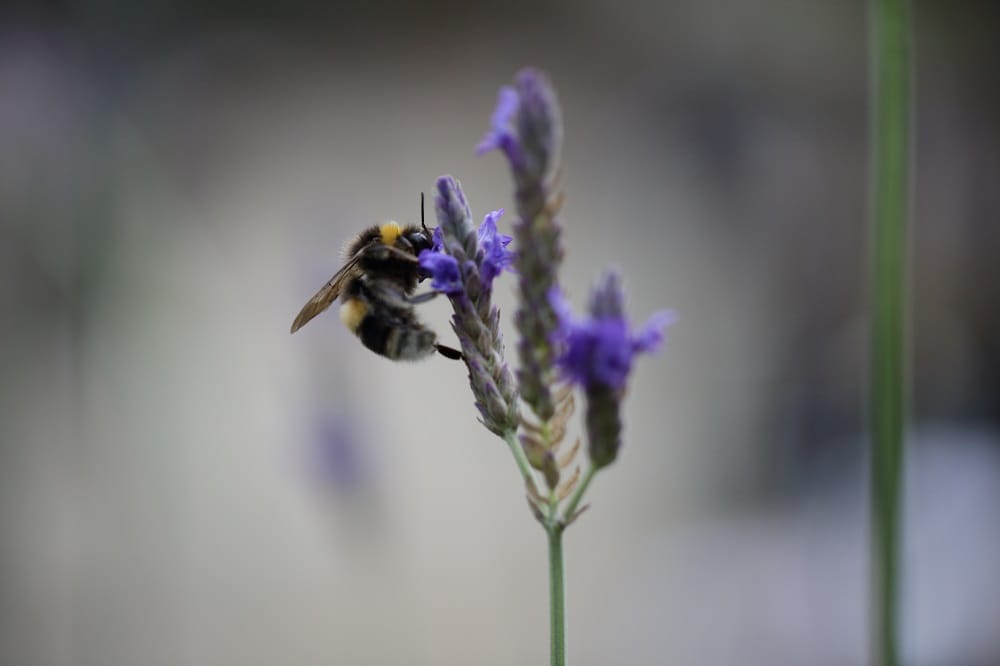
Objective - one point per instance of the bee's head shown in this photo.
(416, 240)
(426, 240)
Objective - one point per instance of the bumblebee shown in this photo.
(375, 286)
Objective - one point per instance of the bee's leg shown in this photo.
(420, 298)
(448, 352)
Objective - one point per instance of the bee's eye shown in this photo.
(420, 242)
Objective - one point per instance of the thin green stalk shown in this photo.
(890, 160)
(553, 528)
(557, 600)
(557, 603)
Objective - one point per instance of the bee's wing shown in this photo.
(328, 294)
(325, 297)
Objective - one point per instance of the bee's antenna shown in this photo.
(422, 223)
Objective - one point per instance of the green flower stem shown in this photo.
(890, 160)
(553, 528)
(557, 600)
(522, 461)
(577, 496)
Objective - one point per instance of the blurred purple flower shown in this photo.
(598, 350)
(336, 454)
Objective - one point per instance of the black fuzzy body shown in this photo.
(390, 326)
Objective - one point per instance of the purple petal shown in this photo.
(562, 310)
(600, 349)
(593, 351)
(502, 133)
(574, 361)
(597, 352)
(489, 225)
(444, 272)
(506, 109)
(495, 257)
(502, 120)
(611, 358)
(650, 336)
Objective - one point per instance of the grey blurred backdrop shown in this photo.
(183, 483)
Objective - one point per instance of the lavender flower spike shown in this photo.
(527, 128)
(463, 264)
(597, 353)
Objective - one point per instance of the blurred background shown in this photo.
(183, 483)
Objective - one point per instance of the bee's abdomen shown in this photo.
(396, 340)
(353, 313)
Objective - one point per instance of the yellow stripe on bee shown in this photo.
(352, 313)
(390, 231)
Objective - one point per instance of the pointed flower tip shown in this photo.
(454, 215)
(528, 76)
(449, 192)
(536, 94)
(445, 185)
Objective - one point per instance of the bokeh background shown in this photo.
(183, 483)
